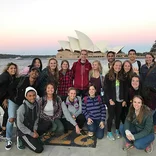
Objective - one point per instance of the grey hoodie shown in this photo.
(71, 110)
(21, 116)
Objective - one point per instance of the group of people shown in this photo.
(55, 101)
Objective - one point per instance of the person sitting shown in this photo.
(50, 107)
(72, 110)
(138, 128)
(95, 113)
(27, 122)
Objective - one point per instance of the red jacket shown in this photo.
(81, 74)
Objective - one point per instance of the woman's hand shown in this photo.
(35, 135)
(111, 102)
(77, 129)
(90, 121)
(101, 125)
(124, 104)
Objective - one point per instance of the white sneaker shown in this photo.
(8, 145)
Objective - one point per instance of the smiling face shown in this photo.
(137, 103)
(83, 55)
(149, 59)
(34, 74)
(92, 91)
(95, 66)
(37, 63)
(50, 89)
(111, 57)
(117, 66)
(52, 65)
(12, 70)
(127, 67)
(72, 94)
(64, 66)
(132, 55)
(31, 96)
(135, 82)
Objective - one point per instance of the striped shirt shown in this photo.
(93, 108)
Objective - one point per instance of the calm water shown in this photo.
(25, 62)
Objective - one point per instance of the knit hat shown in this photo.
(30, 89)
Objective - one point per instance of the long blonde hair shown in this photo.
(99, 68)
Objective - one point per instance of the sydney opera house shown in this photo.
(71, 49)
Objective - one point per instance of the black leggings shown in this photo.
(80, 120)
(114, 111)
(5, 116)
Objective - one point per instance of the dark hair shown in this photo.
(151, 56)
(130, 73)
(33, 63)
(143, 110)
(63, 62)
(111, 73)
(8, 66)
(110, 52)
(132, 51)
(54, 94)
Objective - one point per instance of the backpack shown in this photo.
(99, 99)
(77, 102)
(20, 83)
(139, 64)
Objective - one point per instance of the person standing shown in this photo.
(48, 74)
(96, 78)
(6, 79)
(65, 80)
(136, 64)
(114, 97)
(110, 59)
(80, 71)
(148, 80)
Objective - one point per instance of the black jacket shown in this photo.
(5, 80)
(110, 89)
(17, 89)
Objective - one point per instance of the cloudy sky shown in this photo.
(35, 26)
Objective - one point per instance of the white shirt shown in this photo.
(49, 109)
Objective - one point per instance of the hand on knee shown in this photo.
(11, 120)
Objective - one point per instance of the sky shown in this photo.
(35, 26)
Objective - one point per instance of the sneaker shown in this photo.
(90, 134)
(8, 145)
(149, 149)
(20, 144)
(3, 134)
(128, 146)
(110, 136)
(117, 134)
(82, 132)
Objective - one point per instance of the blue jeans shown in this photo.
(12, 108)
(94, 127)
(141, 143)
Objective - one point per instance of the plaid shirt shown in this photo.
(57, 108)
(65, 81)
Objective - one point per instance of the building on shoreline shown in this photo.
(71, 49)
